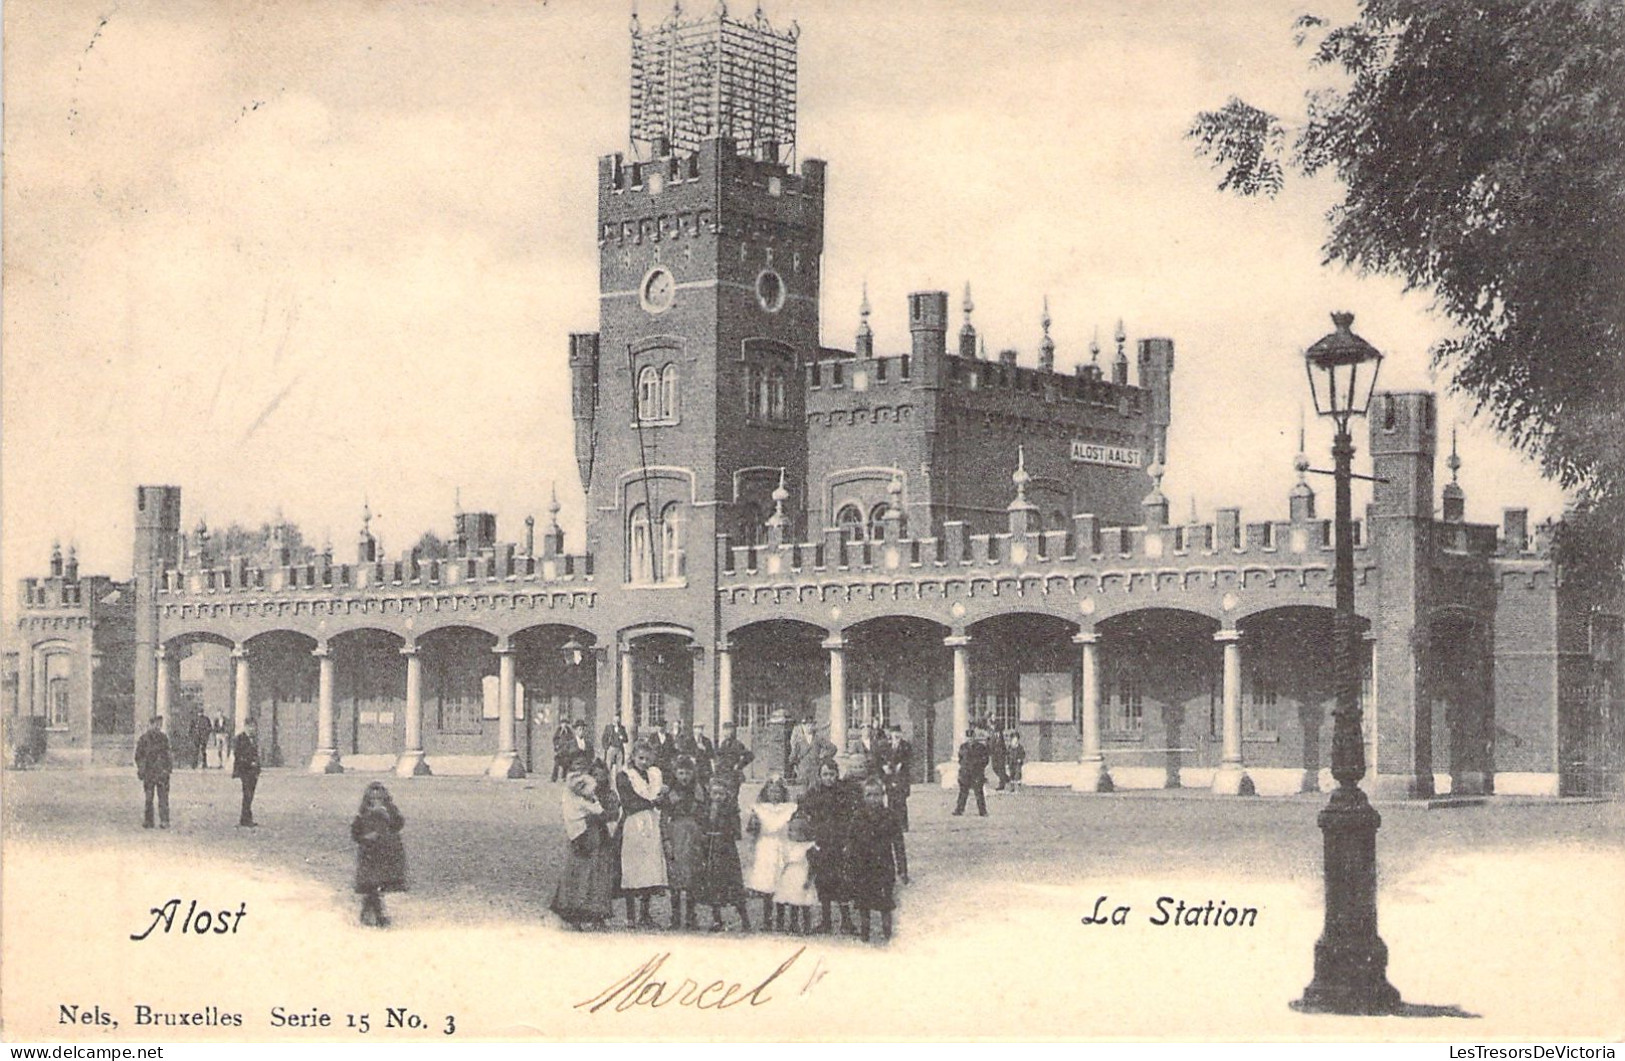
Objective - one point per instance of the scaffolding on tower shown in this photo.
(714, 76)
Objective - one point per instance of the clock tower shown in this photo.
(690, 399)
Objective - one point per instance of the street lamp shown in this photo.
(1351, 961)
(574, 651)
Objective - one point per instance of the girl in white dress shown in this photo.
(643, 856)
(768, 821)
(796, 894)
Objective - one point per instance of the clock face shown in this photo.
(770, 290)
(659, 290)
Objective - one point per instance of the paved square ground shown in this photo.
(1510, 911)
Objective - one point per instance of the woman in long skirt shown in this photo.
(680, 812)
(768, 821)
(828, 806)
(721, 879)
(643, 855)
(586, 889)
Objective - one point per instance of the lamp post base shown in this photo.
(1351, 960)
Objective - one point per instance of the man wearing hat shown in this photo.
(973, 759)
(153, 765)
(897, 770)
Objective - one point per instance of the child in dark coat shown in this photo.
(875, 857)
(380, 857)
(680, 811)
(720, 880)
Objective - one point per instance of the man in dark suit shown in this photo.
(705, 755)
(200, 732)
(564, 748)
(614, 744)
(732, 756)
(582, 742)
(153, 765)
(998, 756)
(897, 770)
(245, 767)
(973, 759)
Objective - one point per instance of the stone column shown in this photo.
(1092, 773)
(242, 703)
(161, 707)
(411, 762)
(961, 646)
(506, 764)
(1231, 778)
(725, 687)
(836, 647)
(326, 760)
(628, 702)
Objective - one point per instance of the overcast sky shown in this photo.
(290, 255)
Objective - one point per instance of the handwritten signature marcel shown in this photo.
(641, 988)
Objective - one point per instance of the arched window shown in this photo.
(58, 667)
(850, 520)
(776, 407)
(668, 393)
(649, 393)
(877, 521)
(753, 391)
(671, 543)
(752, 530)
(640, 556)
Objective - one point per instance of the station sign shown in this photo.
(1112, 456)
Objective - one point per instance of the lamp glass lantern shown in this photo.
(575, 651)
(1342, 370)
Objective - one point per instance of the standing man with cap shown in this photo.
(973, 759)
(153, 765)
(245, 766)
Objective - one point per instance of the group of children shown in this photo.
(636, 834)
(840, 847)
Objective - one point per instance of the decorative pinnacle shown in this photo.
(366, 515)
(981, 347)
(780, 495)
(894, 490)
(1020, 477)
(1121, 336)
(1094, 346)
(1454, 462)
(863, 311)
(967, 305)
(457, 500)
(553, 506)
(1155, 470)
(1045, 319)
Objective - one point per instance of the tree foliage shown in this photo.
(1479, 147)
(430, 547)
(254, 543)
